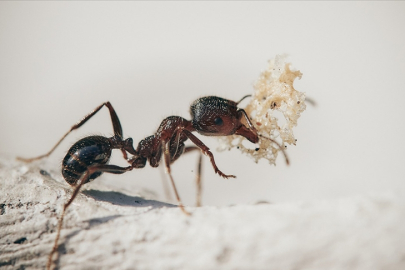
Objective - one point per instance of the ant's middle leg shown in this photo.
(198, 174)
(83, 179)
(166, 157)
(114, 118)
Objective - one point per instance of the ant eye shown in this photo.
(214, 116)
(218, 121)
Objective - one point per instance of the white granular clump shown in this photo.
(273, 92)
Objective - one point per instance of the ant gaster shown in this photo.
(88, 158)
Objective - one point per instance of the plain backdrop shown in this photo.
(59, 60)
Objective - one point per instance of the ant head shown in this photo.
(215, 116)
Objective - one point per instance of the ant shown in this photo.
(88, 158)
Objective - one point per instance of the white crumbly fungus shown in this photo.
(274, 95)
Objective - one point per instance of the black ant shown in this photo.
(88, 158)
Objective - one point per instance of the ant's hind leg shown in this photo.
(83, 179)
(114, 118)
(166, 156)
(198, 174)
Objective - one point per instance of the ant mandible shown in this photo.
(88, 158)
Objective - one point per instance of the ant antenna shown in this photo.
(243, 99)
(279, 147)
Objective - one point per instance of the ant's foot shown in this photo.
(225, 175)
(26, 160)
(184, 210)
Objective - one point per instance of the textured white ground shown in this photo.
(107, 229)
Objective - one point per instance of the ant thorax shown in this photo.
(274, 96)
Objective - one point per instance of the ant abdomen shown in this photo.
(92, 150)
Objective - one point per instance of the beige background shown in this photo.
(58, 61)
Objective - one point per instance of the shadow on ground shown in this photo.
(122, 199)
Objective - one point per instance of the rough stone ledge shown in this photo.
(110, 229)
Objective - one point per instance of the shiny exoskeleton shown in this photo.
(83, 154)
(89, 157)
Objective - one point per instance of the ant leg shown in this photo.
(125, 155)
(206, 151)
(166, 155)
(198, 175)
(165, 184)
(114, 118)
(95, 168)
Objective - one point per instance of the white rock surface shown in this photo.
(107, 229)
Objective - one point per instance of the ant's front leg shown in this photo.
(206, 151)
(114, 118)
(83, 179)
